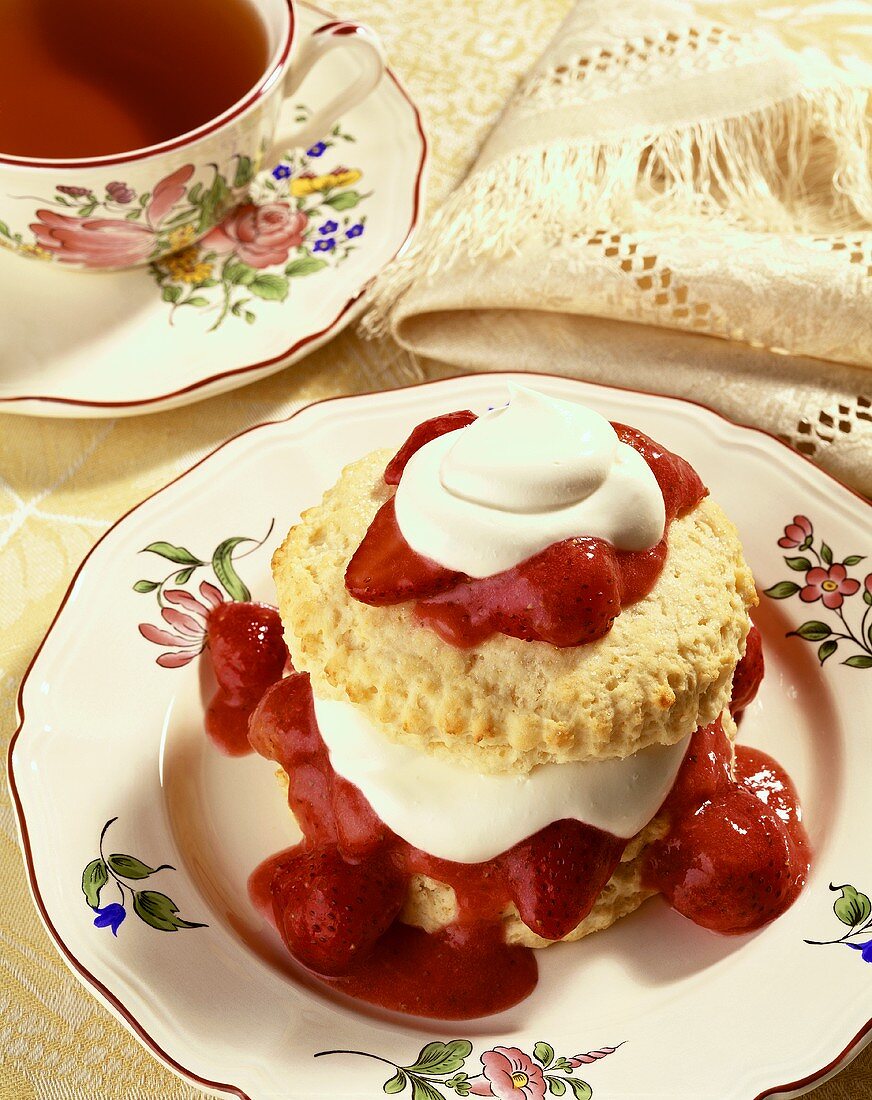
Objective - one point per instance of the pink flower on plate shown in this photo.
(94, 242)
(509, 1074)
(796, 533)
(187, 627)
(828, 585)
(259, 235)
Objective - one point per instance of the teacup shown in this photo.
(122, 210)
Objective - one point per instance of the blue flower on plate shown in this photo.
(866, 948)
(281, 172)
(317, 149)
(326, 245)
(110, 916)
(354, 231)
(328, 227)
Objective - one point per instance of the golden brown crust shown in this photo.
(665, 667)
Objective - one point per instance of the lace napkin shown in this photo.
(662, 167)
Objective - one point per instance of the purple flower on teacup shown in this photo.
(75, 192)
(281, 172)
(109, 242)
(120, 192)
(328, 227)
(354, 231)
(259, 235)
(317, 149)
(327, 244)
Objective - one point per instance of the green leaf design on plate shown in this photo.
(544, 1053)
(867, 597)
(854, 559)
(171, 293)
(441, 1057)
(396, 1084)
(308, 265)
(272, 288)
(782, 590)
(556, 1086)
(826, 553)
(812, 631)
(94, 878)
(131, 867)
(145, 586)
(827, 650)
(423, 1090)
(177, 554)
(799, 564)
(222, 563)
(852, 908)
(185, 575)
(159, 911)
(197, 301)
(345, 200)
(581, 1089)
(858, 662)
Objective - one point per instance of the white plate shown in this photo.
(106, 732)
(82, 344)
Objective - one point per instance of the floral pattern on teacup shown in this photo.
(296, 222)
(120, 227)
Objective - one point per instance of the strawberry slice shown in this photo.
(331, 913)
(386, 570)
(749, 673)
(557, 874)
(425, 433)
(567, 595)
(248, 654)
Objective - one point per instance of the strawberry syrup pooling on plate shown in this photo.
(567, 595)
(735, 857)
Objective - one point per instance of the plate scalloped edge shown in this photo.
(114, 1003)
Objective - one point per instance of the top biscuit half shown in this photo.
(665, 667)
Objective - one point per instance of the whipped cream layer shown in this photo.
(484, 498)
(454, 813)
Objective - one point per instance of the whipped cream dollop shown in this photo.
(484, 498)
(455, 813)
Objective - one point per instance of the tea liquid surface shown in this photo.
(95, 77)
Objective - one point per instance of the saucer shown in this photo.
(284, 277)
(140, 835)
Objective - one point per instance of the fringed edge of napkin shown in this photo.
(756, 171)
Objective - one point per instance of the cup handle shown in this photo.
(369, 54)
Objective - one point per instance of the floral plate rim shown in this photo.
(115, 1004)
(57, 406)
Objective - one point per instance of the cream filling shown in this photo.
(454, 813)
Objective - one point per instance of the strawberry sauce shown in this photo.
(736, 855)
(567, 595)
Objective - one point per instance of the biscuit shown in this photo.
(665, 667)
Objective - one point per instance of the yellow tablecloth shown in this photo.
(62, 483)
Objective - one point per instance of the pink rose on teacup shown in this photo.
(110, 242)
(259, 235)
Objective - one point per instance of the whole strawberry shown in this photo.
(728, 867)
(557, 874)
(330, 913)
